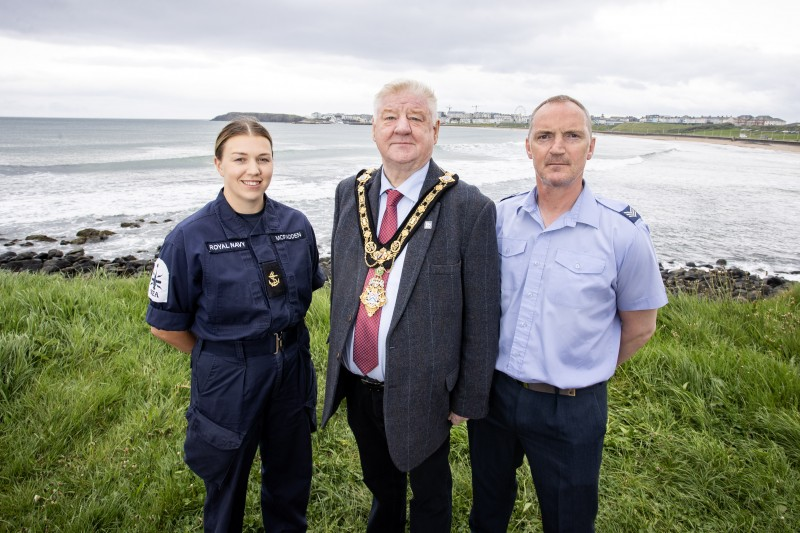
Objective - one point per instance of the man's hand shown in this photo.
(455, 419)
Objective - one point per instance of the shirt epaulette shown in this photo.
(512, 196)
(627, 211)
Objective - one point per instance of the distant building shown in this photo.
(488, 117)
(603, 120)
(481, 117)
(761, 120)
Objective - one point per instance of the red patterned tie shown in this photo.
(365, 337)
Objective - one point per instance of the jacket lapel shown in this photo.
(374, 197)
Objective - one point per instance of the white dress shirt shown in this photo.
(410, 189)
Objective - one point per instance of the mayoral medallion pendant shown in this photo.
(374, 295)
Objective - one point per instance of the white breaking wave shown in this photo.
(703, 202)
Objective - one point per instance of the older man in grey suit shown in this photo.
(414, 312)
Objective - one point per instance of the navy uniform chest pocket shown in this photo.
(296, 260)
(583, 279)
(237, 303)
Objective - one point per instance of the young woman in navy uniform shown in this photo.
(231, 286)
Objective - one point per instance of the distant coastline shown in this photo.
(779, 146)
(268, 117)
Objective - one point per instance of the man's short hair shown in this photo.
(563, 98)
(407, 86)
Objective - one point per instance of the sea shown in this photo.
(703, 202)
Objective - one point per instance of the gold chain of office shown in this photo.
(384, 257)
(374, 295)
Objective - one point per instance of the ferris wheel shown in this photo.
(520, 114)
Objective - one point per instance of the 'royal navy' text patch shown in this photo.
(293, 236)
(226, 246)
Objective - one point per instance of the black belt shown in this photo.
(368, 382)
(270, 345)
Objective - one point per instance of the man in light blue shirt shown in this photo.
(580, 292)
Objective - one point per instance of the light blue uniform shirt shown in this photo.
(563, 285)
(410, 189)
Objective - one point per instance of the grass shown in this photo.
(703, 434)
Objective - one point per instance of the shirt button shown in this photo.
(530, 295)
(578, 266)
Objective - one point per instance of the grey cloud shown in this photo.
(526, 38)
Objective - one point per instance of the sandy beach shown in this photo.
(744, 143)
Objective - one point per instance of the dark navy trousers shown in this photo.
(243, 399)
(431, 482)
(562, 437)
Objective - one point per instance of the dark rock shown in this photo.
(40, 238)
(130, 225)
(55, 265)
(721, 262)
(91, 235)
(325, 264)
(24, 265)
(774, 281)
(721, 282)
(716, 282)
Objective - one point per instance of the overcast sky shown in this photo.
(201, 58)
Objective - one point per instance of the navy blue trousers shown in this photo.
(562, 437)
(431, 482)
(242, 402)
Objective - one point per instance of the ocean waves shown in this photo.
(126, 165)
(703, 202)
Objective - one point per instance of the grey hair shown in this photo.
(407, 86)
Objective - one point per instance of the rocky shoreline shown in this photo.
(704, 280)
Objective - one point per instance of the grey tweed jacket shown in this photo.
(443, 340)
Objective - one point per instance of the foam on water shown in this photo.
(703, 202)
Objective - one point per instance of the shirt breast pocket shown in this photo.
(581, 279)
(513, 262)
